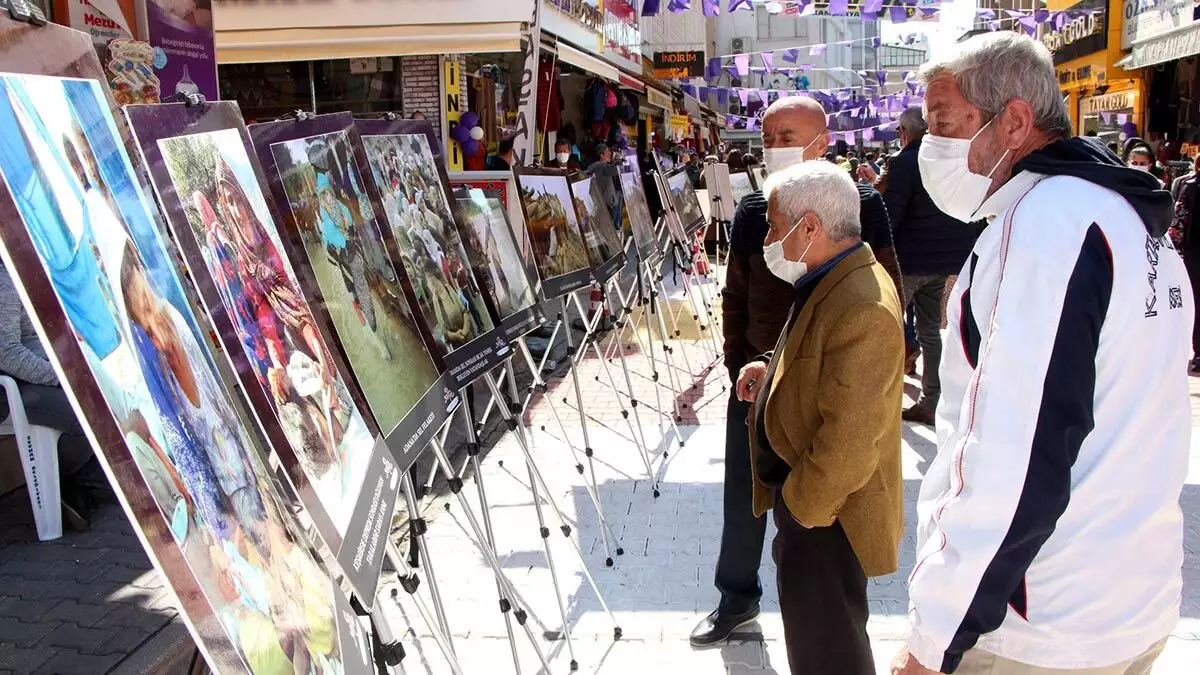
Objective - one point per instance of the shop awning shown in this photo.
(314, 44)
(257, 32)
(1181, 42)
(584, 61)
(632, 83)
(661, 99)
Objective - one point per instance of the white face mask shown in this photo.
(563, 157)
(947, 177)
(778, 159)
(1140, 167)
(788, 270)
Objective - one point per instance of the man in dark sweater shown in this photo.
(754, 307)
(932, 248)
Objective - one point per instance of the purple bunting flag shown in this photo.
(1106, 117)
(817, 50)
(650, 8)
(871, 6)
(1122, 118)
(791, 55)
(993, 26)
(711, 7)
(868, 135)
(876, 41)
(732, 72)
(713, 70)
(898, 14)
(881, 77)
(744, 95)
(986, 14)
(927, 12)
(768, 60)
(735, 5)
(838, 7)
(722, 96)
(762, 96)
(741, 63)
(1040, 15)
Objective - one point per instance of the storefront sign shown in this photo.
(678, 65)
(1084, 34)
(680, 126)
(656, 98)
(1145, 19)
(452, 90)
(1166, 48)
(1116, 101)
(582, 11)
(104, 20)
(621, 32)
(1077, 75)
(523, 137)
(185, 57)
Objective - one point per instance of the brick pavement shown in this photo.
(81, 604)
(662, 585)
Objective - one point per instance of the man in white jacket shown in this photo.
(1050, 537)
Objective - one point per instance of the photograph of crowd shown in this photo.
(739, 182)
(75, 190)
(599, 233)
(500, 259)
(558, 246)
(639, 213)
(687, 203)
(229, 218)
(360, 287)
(419, 214)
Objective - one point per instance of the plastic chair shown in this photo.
(38, 447)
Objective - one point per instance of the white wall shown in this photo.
(665, 32)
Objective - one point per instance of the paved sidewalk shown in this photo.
(662, 585)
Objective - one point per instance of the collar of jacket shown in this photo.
(820, 270)
(860, 256)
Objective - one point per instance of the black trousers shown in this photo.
(823, 599)
(48, 406)
(742, 534)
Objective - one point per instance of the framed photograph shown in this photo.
(758, 173)
(599, 234)
(684, 200)
(554, 231)
(212, 190)
(335, 242)
(674, 226)
(639, 216)
(741, 185)
(190, 475)
(431, 244)
(500, 258)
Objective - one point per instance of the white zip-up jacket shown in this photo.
(1049, 526)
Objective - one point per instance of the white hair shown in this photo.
(820, 188)
(992, 69)
(912, 120)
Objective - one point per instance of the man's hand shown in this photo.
(750, 380)
(865, 172)
(907, 664)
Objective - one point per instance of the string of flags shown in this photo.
(869, 133)
(838, 99)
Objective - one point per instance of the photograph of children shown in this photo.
(59, 151)
(553, 226)
(599, 233)
(639, 213)
(217, 185)
(358, 283)
(500, 261)
(740, 182)
(419, 214)
(687, 204)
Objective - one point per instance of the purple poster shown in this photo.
(184, 52)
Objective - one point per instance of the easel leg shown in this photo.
(409, 581)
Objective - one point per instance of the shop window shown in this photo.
(266, 91)
(361, 86)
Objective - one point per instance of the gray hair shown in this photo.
(994, 68)
(820, 188)
(912, 120)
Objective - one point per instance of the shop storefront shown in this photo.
(380, 56)
(1163, 39)
(1102, 98)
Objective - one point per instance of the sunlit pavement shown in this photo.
(663, 584)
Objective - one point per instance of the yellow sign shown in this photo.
(680, 126)
(1121, 100)
(451, 85)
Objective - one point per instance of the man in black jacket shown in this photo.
(932, 248)
(754, 309)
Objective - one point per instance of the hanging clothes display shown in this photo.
(549, 109)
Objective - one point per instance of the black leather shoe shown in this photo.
(918, 415)
(717, 627)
